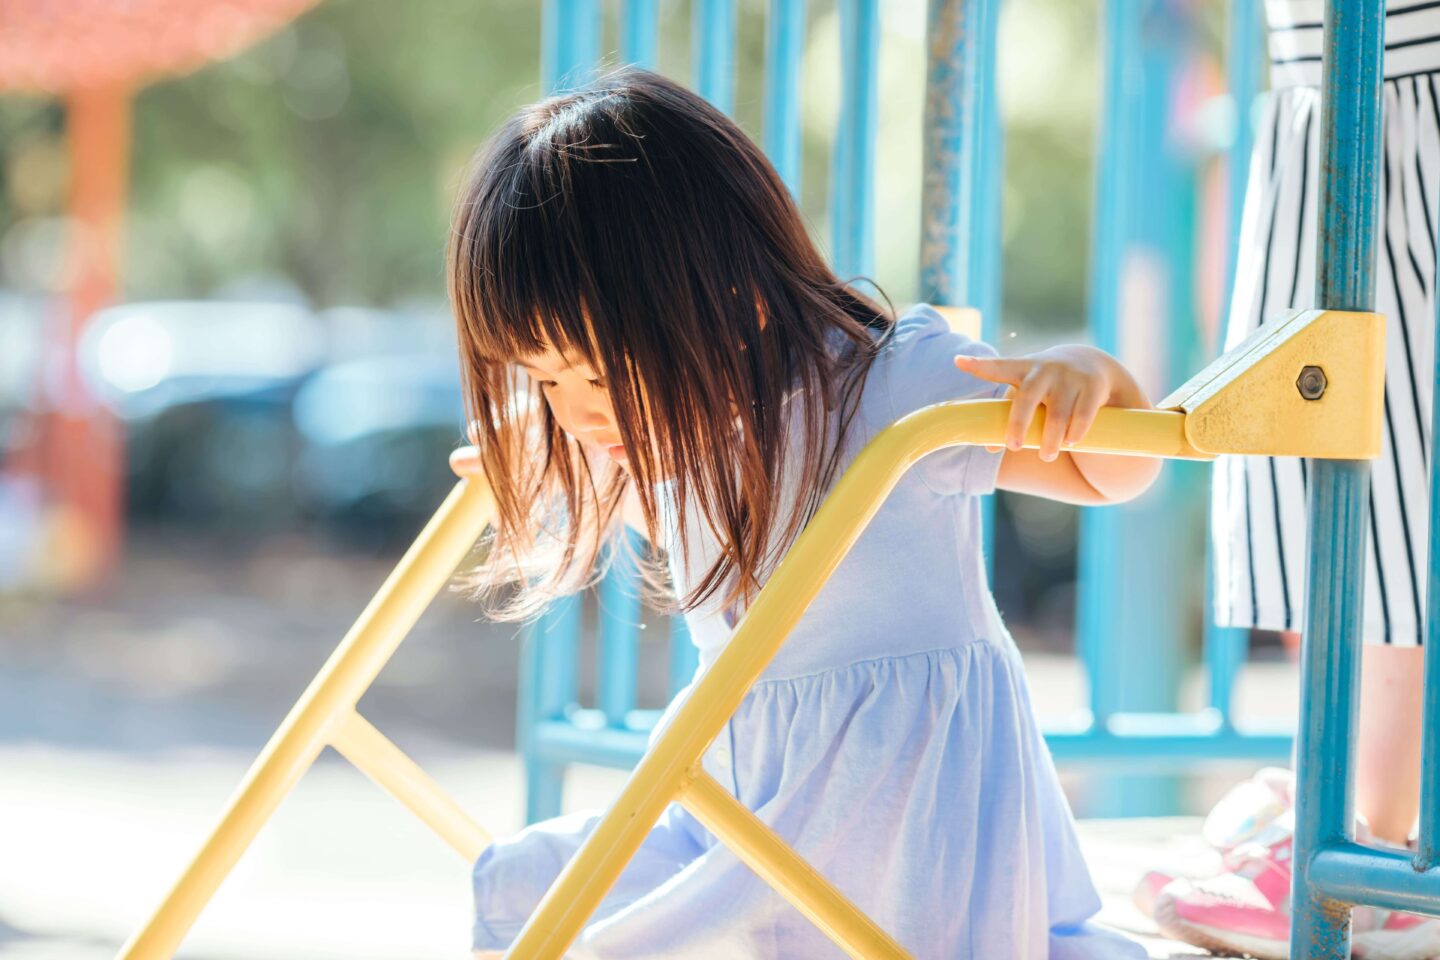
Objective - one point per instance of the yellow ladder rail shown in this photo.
(331, 697)
(372, 753)
(777, 864)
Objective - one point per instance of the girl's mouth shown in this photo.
(617, 452)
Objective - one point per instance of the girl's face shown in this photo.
(577, 397)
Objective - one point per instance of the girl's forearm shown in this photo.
(1116, 479)
(1119, 478)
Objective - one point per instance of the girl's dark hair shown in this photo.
(632, 224)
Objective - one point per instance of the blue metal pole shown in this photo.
(986, 273)
(1111, 215)
(1426, 857)
(1131, 621)
(784, 53)
(569, 50)
(852, 197)
(961, 182)
(1350, 103)
(548, 685)
(569, 43)
(713, 35)
(638, 32)
(619, 657)
(963, 171)
(1226, 647)
(684, 658)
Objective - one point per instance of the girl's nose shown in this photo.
(588, 413)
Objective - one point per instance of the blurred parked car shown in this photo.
(205, 390)
(377, 436)
(239, 418)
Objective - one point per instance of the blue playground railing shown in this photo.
(1131, 650)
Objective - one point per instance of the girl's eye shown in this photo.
(598, 383)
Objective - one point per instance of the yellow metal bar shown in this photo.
(785, 870)
(374, 755)
(331, 697)
(661, 773)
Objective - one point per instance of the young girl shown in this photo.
(649, 336)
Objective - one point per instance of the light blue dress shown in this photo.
(891, 742)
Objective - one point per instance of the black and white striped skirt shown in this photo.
(1259, 502)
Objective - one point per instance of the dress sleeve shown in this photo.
(920, 371)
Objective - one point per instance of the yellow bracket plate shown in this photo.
(1252, 399)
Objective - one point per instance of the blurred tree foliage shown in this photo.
(324, 160)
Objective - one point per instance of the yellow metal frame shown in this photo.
(670, 770)
(1249, 400)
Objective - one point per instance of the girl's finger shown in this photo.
(996, 369)
(1086, 407)
(1058, 410)
(1022, 411)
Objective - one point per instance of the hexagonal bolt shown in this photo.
(1311, 383)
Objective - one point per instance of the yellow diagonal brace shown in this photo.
(330, 698)
(374, 755)
(661, 773)
(786, 871)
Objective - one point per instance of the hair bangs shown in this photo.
(518, 279)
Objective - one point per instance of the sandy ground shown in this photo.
(127, 718)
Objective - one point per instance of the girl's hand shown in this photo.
(1071, 382)
(466, 460)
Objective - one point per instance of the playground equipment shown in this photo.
(1196, 422)
(1308, 385)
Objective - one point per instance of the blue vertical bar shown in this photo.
(549, 654)
(962, 176)
(569, 43)
(1226, 647)
(1115, 161)
(784, 52)
(1350, 99)
(713, 35)
(684, 657)
(852, 191)
(638, 32)
(1130, 616)
(569, 50)
(1425, 856)
(985, 272)
(619, 635)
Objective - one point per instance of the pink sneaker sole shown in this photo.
(1216, 939)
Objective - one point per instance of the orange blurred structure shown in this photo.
(95, 54)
